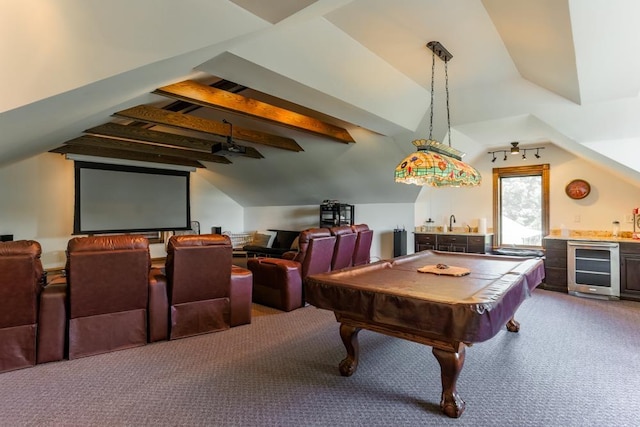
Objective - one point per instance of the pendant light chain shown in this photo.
(433, 70)
(446, 86)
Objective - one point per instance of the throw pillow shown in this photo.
(272, 237)
(260, 239)
(295, 244)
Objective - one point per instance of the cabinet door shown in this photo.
(630, 276)
(477, 244)
(424, 242)
(555, 264)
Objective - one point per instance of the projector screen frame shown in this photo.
(77, 219)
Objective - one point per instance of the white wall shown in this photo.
(37, 197)
(611, 198)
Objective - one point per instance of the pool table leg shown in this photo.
(513, 325)
(349, 335)
(450, 366)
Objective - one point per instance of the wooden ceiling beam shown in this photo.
(158, 116)
(135, 133)
(111, 153)
(207, 96)
(153, 149)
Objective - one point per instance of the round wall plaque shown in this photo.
(578, 189)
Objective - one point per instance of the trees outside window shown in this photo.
(521, 205)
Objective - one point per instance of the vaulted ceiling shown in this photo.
(89, 73)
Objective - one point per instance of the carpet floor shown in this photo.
(575, 362)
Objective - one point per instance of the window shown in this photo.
(521, 205)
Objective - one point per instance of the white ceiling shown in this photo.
(563, 71)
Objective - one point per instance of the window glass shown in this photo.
(521, 210)
(521, 205)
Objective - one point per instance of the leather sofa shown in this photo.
(108, 287)
(24, 330)
(204, 293)
(277, 282)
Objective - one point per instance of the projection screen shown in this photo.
(121, 199)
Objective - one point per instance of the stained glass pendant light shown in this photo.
(434, 163)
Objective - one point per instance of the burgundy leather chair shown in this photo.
(345, 246)
(205, 293)
(108, 287)
(361, 254)
(278, 282)
(21, 287)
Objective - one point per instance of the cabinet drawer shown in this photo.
(424, 247)
(476, 240)
(555, 244)
(452, 240)
(425, 239)
(630, 248)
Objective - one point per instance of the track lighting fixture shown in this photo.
(516, 149)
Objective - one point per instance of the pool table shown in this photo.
(440, 310)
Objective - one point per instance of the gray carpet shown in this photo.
(575, 362)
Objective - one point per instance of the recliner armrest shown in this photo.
(240, 296)
(158, 311)
(52, 320)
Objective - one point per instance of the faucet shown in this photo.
(452, 220)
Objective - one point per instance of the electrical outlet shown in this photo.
(628, 218)
(576, 218)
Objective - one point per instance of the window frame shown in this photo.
(543, 171)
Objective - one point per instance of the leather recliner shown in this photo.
(108, 288)
(205, 293)
(361, 254)
(278, 282)
(344, 248)
(21, 321)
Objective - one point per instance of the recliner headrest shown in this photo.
(360, 227)
(342, 229)
(21, 247)
(314, 233)
(107, 243)
(198, 240)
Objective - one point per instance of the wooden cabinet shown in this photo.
(425, 242)
(452, 243)
(555, 264)
(630, 271)
(478, 244)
